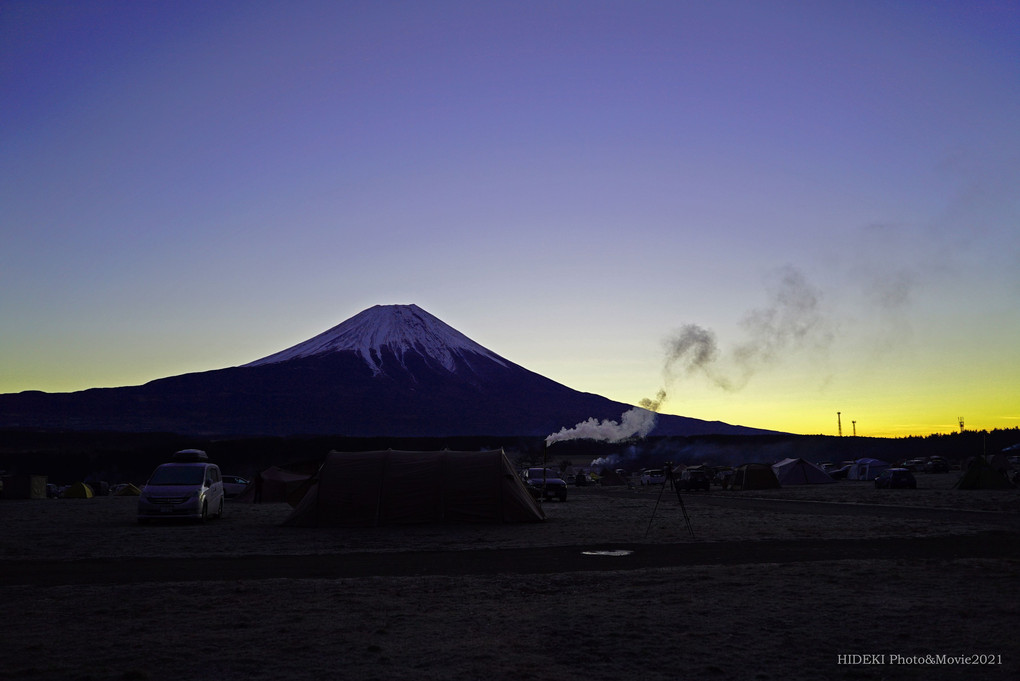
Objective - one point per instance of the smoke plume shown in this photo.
(636, 422)
(791, 321)
(653, 404)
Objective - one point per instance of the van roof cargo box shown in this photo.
(190, 455)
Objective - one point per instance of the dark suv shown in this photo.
(896, 478)
(544, 483)
(694, 479)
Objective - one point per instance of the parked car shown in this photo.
(722, 476)
(694, 479)
(234, 485)
(936, 464)
(653, 476)
(840, 473)
(188, 487)
(896, 478)
(544, 483)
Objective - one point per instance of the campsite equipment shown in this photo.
(399, 487)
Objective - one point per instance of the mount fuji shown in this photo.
(391, 370)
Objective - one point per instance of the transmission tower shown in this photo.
(961, 424)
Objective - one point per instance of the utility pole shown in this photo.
(961, 424)
(839, 423)
(855, 427)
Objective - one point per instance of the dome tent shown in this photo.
(78, 490)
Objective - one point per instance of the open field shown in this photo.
(774, 584)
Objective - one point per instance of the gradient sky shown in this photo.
(828, 191)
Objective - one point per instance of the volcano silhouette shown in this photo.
(391, 370)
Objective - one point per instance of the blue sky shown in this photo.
(827, 190)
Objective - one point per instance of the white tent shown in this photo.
(866, 469)
(799, 472)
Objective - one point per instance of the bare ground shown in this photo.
(772, 585)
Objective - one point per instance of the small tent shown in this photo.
(981, 474)
(128, 490)
(78, 490)
(866, 469)
(397, 487)
(799, 472)
(754, 476)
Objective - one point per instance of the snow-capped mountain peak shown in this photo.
(399, 328)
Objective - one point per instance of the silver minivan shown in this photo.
(188, 487)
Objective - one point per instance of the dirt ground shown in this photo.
(837, 581)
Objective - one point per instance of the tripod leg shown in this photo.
(655, 509)
(686, 517)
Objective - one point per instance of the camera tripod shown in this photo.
(679, 498)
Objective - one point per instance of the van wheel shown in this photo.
(205, 511)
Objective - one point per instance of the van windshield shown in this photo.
(178, 475)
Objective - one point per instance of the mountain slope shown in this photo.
(391, 370)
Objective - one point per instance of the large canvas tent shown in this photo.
(397, 487)
(799, 472)
(23, 487)
(754, 476)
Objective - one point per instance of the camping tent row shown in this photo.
(398, 487)
(786, 472)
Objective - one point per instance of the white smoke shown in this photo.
(792, 321)
(637, 422)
